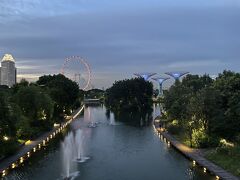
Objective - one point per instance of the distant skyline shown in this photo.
(119, 38)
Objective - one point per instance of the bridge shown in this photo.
(91, 101)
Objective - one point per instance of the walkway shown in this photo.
(24, 152)
(195, 155)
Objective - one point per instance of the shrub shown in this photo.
(173, 128)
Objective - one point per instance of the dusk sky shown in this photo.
(119, 38)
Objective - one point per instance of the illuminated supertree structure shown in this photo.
(145, 76)
(160, 81)
(177, 75)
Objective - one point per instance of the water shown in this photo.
(112, 151)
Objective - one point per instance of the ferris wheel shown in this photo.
(77, 69)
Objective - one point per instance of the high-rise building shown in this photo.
(8, 71)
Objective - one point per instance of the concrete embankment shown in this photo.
(30, 147)
(193, 155)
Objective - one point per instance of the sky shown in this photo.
(119, 38)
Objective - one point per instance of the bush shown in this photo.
(173, 129)
(8, 147)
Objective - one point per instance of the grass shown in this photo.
(226, 157)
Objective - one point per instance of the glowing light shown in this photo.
(3, 173)
(224, 142)
(5, 138)
(176, 75)
(8, 57)
(13, 165)
(28, 154)
(34, 149)
(51, 136)
(44, 142)
(217, 177)
(194, 163)
(204, 170)
(39, 146)
(56, 125)
(21, 160)
(47, 139)
(28, 142)
(169, 144)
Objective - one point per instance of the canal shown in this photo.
(109, 151)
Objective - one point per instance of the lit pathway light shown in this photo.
(204, 170)
(13, 165)
(21, 160)
(194, 163)
(3, 173)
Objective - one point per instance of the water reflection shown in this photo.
(117, 152)
(136, 118)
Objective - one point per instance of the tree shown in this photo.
(64, 92)
(228, 84)
(4, 116)
(132, 94)
(130, 97)
(36, 107)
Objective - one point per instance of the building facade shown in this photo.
(8, 71)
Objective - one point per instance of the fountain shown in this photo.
(68, 149)
(79, 140)
(73, 151)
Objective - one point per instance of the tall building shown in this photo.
(8, 71)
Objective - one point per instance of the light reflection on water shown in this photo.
(117, 151)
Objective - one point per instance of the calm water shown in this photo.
(117, 152)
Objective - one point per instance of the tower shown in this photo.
(145, 76)
(8, 71)
(160, 80)
(177, 75)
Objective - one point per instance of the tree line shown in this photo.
(29, 109)
(131, 101)
(205, 109)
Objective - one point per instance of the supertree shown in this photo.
(160, 80)
(177, 75)
(145, 76)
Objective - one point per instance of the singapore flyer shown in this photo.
(77, 69)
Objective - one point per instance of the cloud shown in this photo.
(117, 43)
(196, 63)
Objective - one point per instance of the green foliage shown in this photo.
(64, 92)
(27, 109)
(226, 157)
(130, 94)
(8, 147)
(130, 97)
(206, 109)
(173, 129)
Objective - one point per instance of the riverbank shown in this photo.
(193, 155)
(31, 147)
